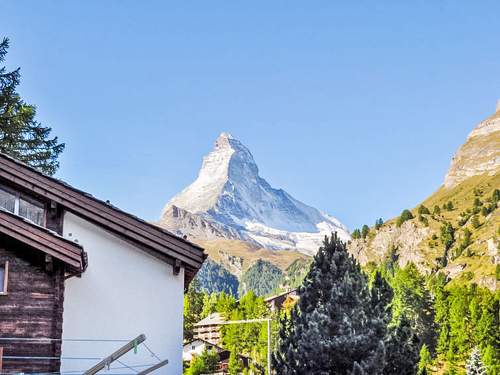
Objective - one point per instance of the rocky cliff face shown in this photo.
(230, 200)
(479, 154)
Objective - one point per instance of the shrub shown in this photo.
(405, 216)
(422, 210)
(475, 222)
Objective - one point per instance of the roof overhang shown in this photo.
(44, 240)
(152, 239)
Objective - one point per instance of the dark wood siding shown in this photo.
(32, 308)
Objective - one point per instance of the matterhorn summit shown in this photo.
(229, 200)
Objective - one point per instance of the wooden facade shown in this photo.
(31, 307)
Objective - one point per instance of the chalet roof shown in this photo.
(289, 292)
(212, 319)
(152, 239)
(42, 239)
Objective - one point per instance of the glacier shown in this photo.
(230, 200)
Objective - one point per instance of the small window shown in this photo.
(32, 211)
(7, 200)
(21, 205)
(4, 277)
(193, 347)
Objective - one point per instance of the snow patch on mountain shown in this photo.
(229, 199)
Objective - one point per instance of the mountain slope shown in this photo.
(456, 230)
(229, 200)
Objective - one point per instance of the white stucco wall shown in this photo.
(124, 292)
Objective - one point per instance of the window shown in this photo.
(4, 277)
(7, 200)
(32, 211)
(21, 205)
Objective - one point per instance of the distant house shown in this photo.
(208, 329)
(74, 267)
(278, 301)
(197, 347)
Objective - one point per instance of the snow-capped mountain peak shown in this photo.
(230, 193)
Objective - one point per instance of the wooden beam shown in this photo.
(155, 367)
(117, 354)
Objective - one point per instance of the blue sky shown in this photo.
(354, 107)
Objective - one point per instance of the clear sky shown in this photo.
(354, 107)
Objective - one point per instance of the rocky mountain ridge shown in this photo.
(479, 154)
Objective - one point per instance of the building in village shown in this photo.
(196, 347)
(77, 273)
(208, 329)
(277, 302)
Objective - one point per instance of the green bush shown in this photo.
(475, 222)
(405, 216)
(422, 210)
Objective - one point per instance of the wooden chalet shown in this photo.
(59, 250)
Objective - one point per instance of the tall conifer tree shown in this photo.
(21, 136)
(338, 326)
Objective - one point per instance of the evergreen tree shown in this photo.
(249, 339)
(234, 366)
(402, 353)
(436, 210)
(356, 234)
(405, 216)
(193, 307)
(336, 327)
(491, 359)
(21, 136)
(475, 365)
(378, 223)
(213, 277)
(413, 301)
(364, 231)
(425, 360)
(422, 210)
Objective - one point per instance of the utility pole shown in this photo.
(262, 320)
